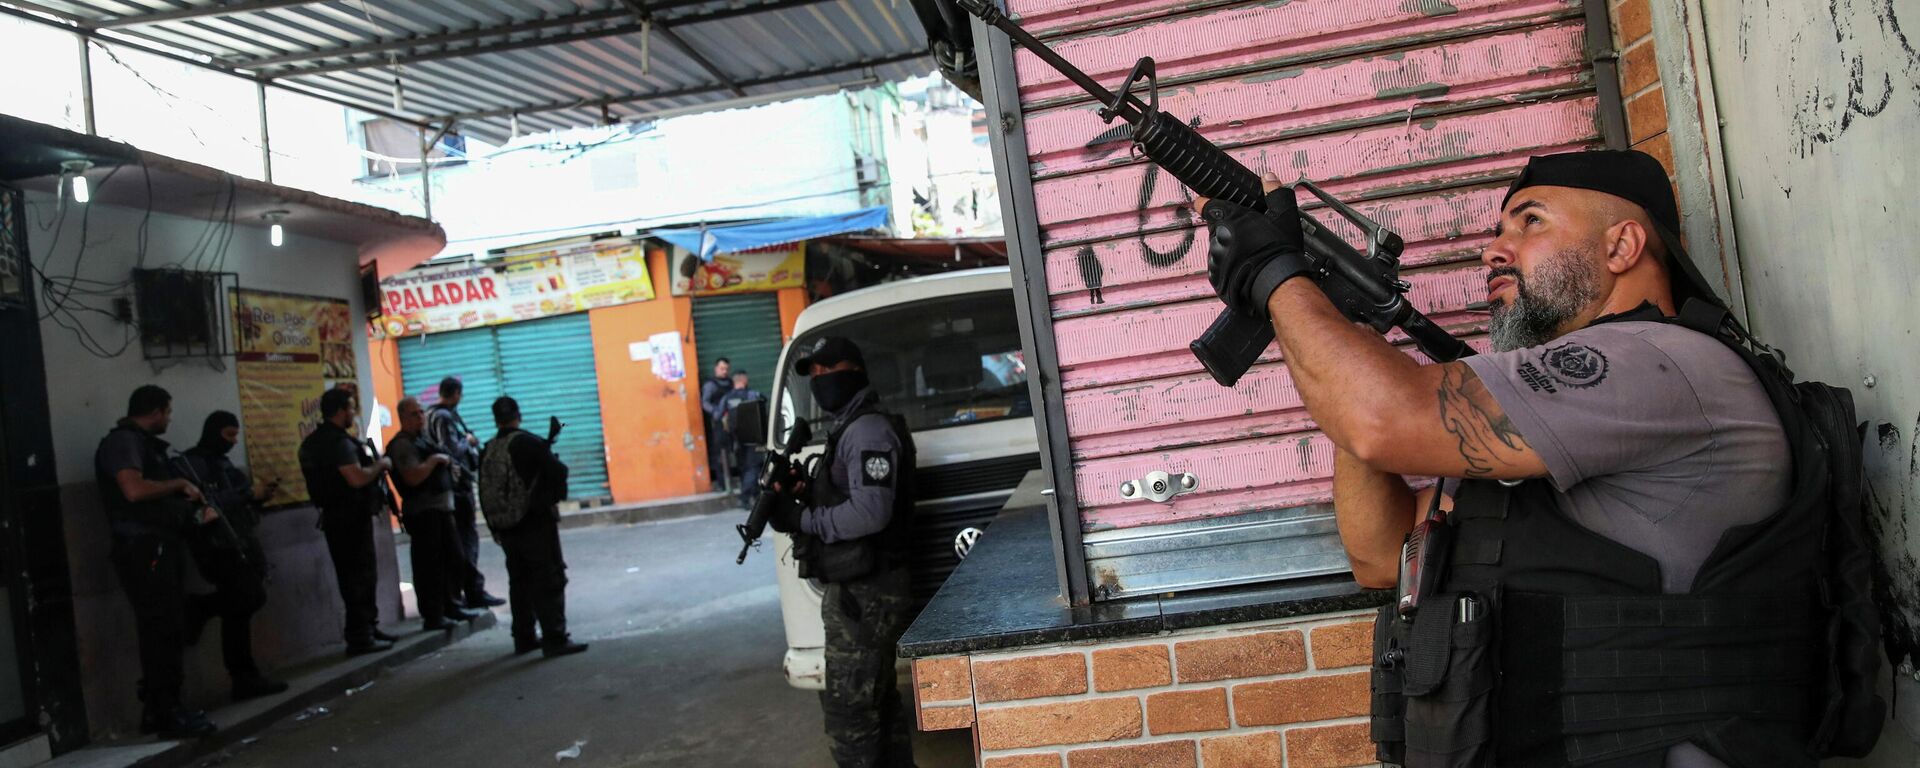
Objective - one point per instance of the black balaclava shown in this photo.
(210, 439)
(833, 391)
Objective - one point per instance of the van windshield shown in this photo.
(939, 363)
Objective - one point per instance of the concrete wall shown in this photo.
(1792, 127)
(1818, 103)
(87, 394)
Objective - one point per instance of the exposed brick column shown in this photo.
(1291, 693)
(1640, 85)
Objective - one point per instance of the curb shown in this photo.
(692, 506)
(241, 722)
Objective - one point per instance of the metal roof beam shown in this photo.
(699, 58)
(534, 42)
(693, 91)
(645, 15)
(199, 11)
(95, 36)
(397, 44)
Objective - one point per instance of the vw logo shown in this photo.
(964, 540)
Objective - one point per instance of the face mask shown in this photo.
(834, 390)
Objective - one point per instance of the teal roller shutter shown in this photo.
(547, 365)
(470, 355)
(744, 329)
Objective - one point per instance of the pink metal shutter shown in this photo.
(1417, 111)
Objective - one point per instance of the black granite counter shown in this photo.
(1006, 595)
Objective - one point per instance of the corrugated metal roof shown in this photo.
(554, 63)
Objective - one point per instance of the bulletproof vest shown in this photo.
(138, 517)
(328, 490)
(440, 480)
(1542, 643)
(845, 560)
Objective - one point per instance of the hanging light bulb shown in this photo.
(276, 234)
(76, 173)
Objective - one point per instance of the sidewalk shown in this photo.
(645, 511)
(310, 685)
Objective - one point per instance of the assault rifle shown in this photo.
(1366, 287)
(781, 468)
(230, 536)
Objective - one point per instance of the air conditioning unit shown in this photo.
(867, 170)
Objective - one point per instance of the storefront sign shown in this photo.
(290, 350)
(469, 294)
(768, 270)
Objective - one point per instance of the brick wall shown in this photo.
(1640, 85)
(1268, 694)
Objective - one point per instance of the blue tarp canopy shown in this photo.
(709, 241)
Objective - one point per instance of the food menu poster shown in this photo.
(764, 270)
(290, 349)
(470, 294)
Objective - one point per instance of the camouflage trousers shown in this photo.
(866, 721)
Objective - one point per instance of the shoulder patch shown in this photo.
(877, 467)
(1575, 365)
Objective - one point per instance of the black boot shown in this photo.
(364, 647)
(176, 723)
(566, 647)
(484, 600)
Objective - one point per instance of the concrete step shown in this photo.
(309, 685)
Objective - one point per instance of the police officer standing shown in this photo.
(344, 481)
(522, 484)
(447, 430)
(151, 513)
(1618, 505)
(424, 472)
(853, 535)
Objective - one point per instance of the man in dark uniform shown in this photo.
(711, 391)
(228, 553)
(151, 513)
(853, 536)
(1630, 451)
(424, 472)
(747, 461)
(529, 535)
(343, 480)
(447, 430)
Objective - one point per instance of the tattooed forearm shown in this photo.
(1486, 437)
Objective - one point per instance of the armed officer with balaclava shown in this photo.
(852, 534)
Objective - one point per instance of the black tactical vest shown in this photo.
(1546, 644)
(847, 560)
(325, 486)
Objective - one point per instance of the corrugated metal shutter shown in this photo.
(547, 365)
(470, 355)
(745, 329)
(1417, 111)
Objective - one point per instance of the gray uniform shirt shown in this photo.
(1655, 436)
(406, 455)
(866, 468)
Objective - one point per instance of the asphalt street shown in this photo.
(684, 671)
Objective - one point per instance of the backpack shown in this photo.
(505, 496)
(1848, 711)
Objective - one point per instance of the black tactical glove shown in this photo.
(786, 516)
(1250, 254)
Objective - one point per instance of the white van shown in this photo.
(944, 352)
